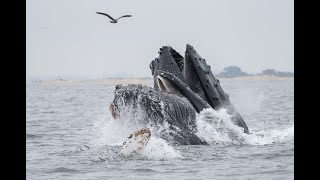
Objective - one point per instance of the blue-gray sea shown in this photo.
(71, 135)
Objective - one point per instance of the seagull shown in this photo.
(113, 20)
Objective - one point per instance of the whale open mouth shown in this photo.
(168, 70)
(188, 77)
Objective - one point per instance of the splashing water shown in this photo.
(113, 132)
(271, 136)
(159, 149)
(216, 127)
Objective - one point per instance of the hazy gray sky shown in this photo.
(66, 38)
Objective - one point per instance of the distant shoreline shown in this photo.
(145, 80)
(259, 77)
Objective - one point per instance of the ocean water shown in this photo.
(71, 135)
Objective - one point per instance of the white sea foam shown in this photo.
(271, 136)
(216, 127)
(159, 149)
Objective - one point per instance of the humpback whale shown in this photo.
(182, 87)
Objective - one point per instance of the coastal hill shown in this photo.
(235, 71)
(231, 71)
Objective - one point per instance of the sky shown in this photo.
(67, 39)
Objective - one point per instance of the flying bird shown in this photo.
(112, 19)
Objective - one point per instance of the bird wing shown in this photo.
(124, 16)
(105, 15)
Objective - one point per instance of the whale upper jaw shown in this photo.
(189, 76)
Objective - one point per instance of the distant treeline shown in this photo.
(235, 71)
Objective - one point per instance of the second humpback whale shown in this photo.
(183, 87)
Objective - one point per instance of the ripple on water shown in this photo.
(63, 170)
(32, 136)
(144, 170)
(278, 155)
